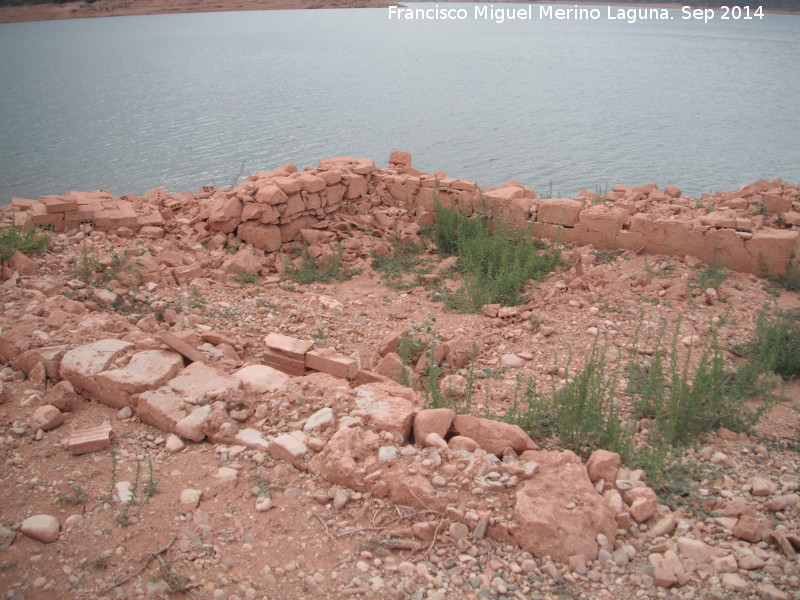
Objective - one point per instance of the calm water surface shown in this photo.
(179, 101)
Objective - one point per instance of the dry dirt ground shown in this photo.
(319, 541)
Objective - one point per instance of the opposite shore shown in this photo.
(116, 8)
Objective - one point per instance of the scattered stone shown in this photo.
(44, 528)
(46, 417)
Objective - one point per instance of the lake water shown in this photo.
(126, 104)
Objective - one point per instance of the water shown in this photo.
(126, 104)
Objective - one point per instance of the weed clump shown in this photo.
(326, 268)
(27, 241)
(496, 261)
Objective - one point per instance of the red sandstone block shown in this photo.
(291, 366)
(58, 205)
(331, 363)
(177, 344)
(288, 346)
(89, 440)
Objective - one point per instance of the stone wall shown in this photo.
(755, 229)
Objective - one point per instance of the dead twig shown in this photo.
(146, 564)
(325, 525)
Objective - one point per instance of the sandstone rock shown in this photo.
(389, 407)
(604, 465)
(321, 419)
(511, 361)
(347, 457)
(44, 528)
(261, 378)
(559, 211)
(193, 426)
(46, 417)
(751, 528)
(459, 352)
(287, 447)
(327, 361)
(199, 380)
(459, 442)
(768, 591)
(22, 264)
(558, 512)
(761, 486)
(225, 214)
(190, 498)
(667, 569)
(642, 502)
(174, 444)
(437, 420)
(244, 261)
(146, 370)
(62, 395)
(453, 387)
(493, 436)
(161, 408)
(698, 551)
(434, 440)
(735, 582)
(263, 237)
(251, 438)
(50, 357)
(81, 364)
(226, 477)
(391, 366)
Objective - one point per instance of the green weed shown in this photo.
(77, 496)
(246, 279)
(322, 269)
(776, 345)
(496, 261)
(711, 277)
(27, 241)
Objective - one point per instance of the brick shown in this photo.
(288, 346)
(89, 440)
(331, 363)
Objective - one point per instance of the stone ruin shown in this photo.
(755, 229)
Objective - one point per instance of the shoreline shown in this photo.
(122, 8)
(116, 8)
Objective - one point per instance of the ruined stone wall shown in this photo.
(755, 229)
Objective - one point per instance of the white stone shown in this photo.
(321, 419)
(190, 498)
(41, 527)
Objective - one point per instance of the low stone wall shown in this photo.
(755, 229)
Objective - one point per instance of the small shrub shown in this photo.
(28, 241)
(405, 259)
(246, 279)
(496, 261)
(711, 277)
(776, 345)
(313, 269)
(588, 417)
(77, 496)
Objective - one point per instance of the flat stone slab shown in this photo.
(199, 380)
